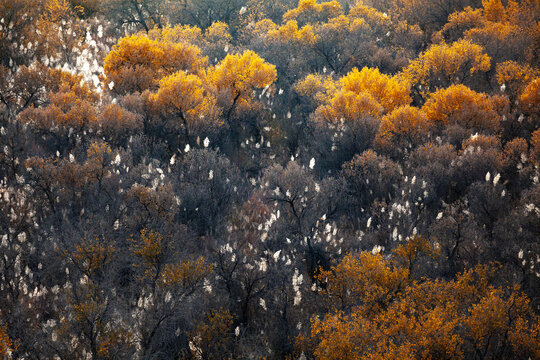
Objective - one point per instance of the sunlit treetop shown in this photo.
(218, 32)
(187, 98)
(377, 312)
(137, 62)
(289, 32)
(530, 97)
(342, 24)
(404, 127)
(494, 10)
(498, 27)
(7, 345)
(177, 34)
(523, 14)
(442, 65)
(236, 76)
(317, 87)
(349, 107)
(257, 29)
(184, 93)
(461, 21)
(460, 105)
(310, 12)
(356, 97)
(363, 280)
(515, 76)
(388, 91)
(369, 14)
(493, 30)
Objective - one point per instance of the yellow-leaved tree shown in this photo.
(462, 106)
(309, 11)
(188, 99)
(6, 344)
(389, 91)
(137, 62)
(530, 98)
(443, 65)
(234, 81)
(164, 280)
(236, 76)
(382, 313)
(353, 106)
(404, 128)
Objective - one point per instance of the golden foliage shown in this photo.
(388, 91)
(188, 274)
(149, 250)
(61, 81)
(365, 280)
(404, 126)
(67, 177)
(90, 310)
(482, 142)
(71, 103)
(212, 335)
(157, 203)
(98, 156)
(461, 21)
(494, 10)
(514, 75)
(415, 246)
(178, 34)
(218, 32)
(55, 10)
(308, 11)
(91, 256)
(460, 105)
(370, 14)
(35, 30)
(116, 121)
(442, 65)
(535, 146)
(317, 87)
(153, 252)
(289, 32)
(506, 32)
(186, 96)
(431, 319)
(530, 97)
(492, 31)
(54, 16)
(137, 63)
(349, 107)
(513, 151)
(236, 76)
(7, 345)
(260, 29)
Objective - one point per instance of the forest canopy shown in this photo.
(250, 179)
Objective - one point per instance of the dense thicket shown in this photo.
(251, 179)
